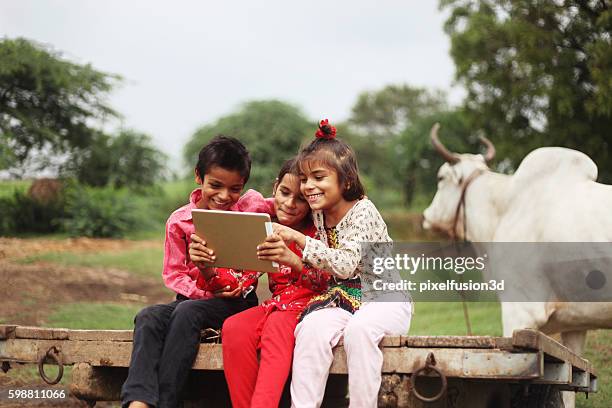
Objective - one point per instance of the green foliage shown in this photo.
(101, 212)
(8, 187)
(92, 211)
(47, 103)
(417, 162)
(271, 130)
(387, 111)
(126, 160)
(537, 73)
(174, 194)
(21, 213)
(375, 131)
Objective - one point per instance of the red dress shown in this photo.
(268, 328)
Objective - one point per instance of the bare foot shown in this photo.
(138, 404)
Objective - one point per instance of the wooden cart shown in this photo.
(527, 370)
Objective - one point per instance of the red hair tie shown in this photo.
(326, 131)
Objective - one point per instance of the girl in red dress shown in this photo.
(269, 328)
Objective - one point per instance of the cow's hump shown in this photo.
(557, 162)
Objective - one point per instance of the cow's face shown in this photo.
(441, 212)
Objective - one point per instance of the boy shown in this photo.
(166, 336)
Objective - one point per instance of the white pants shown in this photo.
(320, 331)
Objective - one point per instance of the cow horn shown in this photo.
(490, 154)
(443, 151)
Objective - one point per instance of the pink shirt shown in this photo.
(179, 273)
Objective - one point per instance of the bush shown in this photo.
(7, 224)
(101, 212)
(21, 213)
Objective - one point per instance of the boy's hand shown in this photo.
(227, 293)
(274, 249)
(199, 253)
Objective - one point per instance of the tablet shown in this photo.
(234, 237)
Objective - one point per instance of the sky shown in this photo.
(187, 63)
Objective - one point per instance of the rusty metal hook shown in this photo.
(55, 355)
(430, 365)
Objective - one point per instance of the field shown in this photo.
(102, 283)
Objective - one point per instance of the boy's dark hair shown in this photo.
(226, 152)
(337, 155)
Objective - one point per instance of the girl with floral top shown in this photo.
(345, 221)
(269, 328)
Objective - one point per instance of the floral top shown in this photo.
(348, 256)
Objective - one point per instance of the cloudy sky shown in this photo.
(186, 63)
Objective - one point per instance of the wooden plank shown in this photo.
(535, 340)
(391, 341)
(96, 353)
(467, 363)
(42, 333)
(101, 335)
(210, 357)
(485, 342)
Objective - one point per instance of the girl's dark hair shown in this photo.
(335, 154)
(226, 152)
(288, 167)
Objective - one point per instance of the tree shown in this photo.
(47, 104)
(128, 159)
(378, 119)
(418, 162)
(537, 73)
(271, 130)
(390, 110)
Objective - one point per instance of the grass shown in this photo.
(447, 319)
(100, 316)
(599, 352)
(156, 231)
(146, 262)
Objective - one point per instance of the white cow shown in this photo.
(552, 197)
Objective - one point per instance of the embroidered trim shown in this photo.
(345, 294)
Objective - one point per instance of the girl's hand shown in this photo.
(199, 253)
(289, 234)
(274, 249)
(227, 293)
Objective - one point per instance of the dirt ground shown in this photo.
(28, 291)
